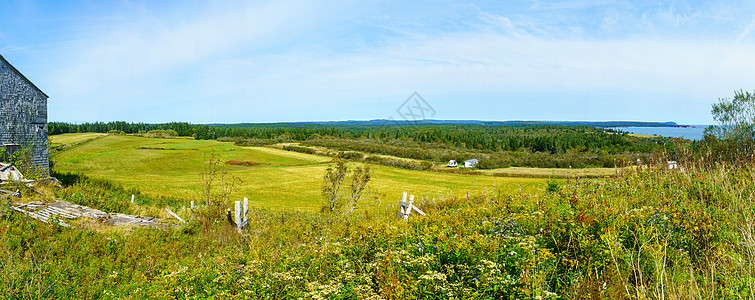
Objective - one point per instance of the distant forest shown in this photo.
(499, 145)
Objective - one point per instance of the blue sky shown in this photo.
(266, 61)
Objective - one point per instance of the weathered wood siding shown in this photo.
(23, 114)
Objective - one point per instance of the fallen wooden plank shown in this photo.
(40, 217)
(175, 215)
(418, 210)
(62, 212)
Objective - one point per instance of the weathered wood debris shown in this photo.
(63, 211)
(4, 193)
(9, 172)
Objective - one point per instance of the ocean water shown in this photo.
(693, 133)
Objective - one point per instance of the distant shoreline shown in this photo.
(675, 126)
(692, 132)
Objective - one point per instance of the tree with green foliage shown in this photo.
(735, 131)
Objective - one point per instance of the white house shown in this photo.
(672, 164)
(470, 163)
(452, 164)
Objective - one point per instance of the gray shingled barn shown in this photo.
(23, 115)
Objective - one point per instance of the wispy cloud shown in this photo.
(290, 60)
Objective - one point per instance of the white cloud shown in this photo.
(301, 61)
(146, 47)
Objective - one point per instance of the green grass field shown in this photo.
(553, 172)
(74, 138)
(282, 180)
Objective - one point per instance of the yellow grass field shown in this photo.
(281, 180)
(553, 172)
(74, 138)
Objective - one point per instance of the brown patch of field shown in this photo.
(242, 163)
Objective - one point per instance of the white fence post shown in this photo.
(132, 198)
(402, 204)
(237, 218)
(246, 209)
(408, 207)
(192, 204)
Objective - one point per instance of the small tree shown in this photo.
(217, 186)
(736, 125)
(332, 182)
(359, 181)
(22, 158)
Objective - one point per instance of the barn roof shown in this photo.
(22, 75)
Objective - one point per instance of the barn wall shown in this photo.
(23, 114)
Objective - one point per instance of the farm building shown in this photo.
(470, 163)
(23, 115)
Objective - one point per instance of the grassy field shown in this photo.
(651, 233)
(74, 138)
(281, 179)
(643, 135)
(553, 172)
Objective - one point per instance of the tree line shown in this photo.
(555, 139)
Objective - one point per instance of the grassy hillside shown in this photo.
(279, 180)
(652, 234)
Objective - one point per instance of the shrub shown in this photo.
(299, 149)
(400, 163)
(350, 155)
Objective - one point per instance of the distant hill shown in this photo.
(379, 122)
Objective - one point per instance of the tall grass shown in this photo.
(652, 233)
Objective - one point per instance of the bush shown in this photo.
(238, 141)
(350, 155)
(159, 133)
(300, 149)
(733, 139)
(399, 163)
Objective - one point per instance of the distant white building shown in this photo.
(452, 164)
(470, 163)
(672, 164)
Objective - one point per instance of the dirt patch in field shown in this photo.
(242, 163)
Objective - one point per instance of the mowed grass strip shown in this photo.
(281, 180)
(73, 138)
